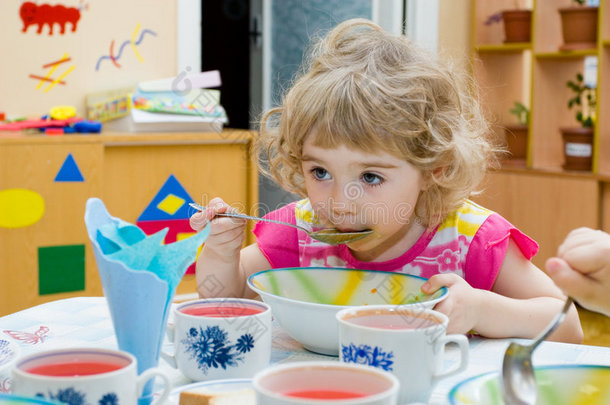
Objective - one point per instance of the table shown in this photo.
(85, 321)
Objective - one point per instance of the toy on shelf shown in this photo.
(60, 120)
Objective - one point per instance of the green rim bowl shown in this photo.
(304, 300)
(557, 385)
(8, 399)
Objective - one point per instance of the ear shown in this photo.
(430, 177)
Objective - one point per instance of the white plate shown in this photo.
(9, 351)
(232, 384)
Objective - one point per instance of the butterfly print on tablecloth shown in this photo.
(27, 337)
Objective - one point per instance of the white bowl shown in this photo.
(304, 300)
(557, 385)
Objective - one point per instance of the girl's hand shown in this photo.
(461, 304)
(226, 234)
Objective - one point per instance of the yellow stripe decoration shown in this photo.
(399, 292)
(467, 228)
(594, 389)
(449, 222)
(59, 79)
(351, 284)
(40, 83)
(133, 43)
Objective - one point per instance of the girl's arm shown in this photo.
(219, 276)
(522, 302)
(223, 266)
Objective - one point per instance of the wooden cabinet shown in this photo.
(126, 171)
(546, 206)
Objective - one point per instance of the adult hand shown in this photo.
(582, 268)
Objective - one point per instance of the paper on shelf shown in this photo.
(183, 82)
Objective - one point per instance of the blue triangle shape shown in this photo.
(171, 186)
(69, 171)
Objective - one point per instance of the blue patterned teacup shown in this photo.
(220, 338)
(408, 342)
(84, 376)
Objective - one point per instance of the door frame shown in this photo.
(388, 14)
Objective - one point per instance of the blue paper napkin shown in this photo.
(139, 276)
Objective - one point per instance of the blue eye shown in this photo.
(372, 179)
(320, 174)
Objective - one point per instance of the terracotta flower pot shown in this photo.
(517, 25)
(578, 148)
(516, 141)
(579, 28)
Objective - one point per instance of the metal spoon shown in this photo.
(518, 379)
(328, 235)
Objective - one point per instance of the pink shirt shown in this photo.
(471, 242)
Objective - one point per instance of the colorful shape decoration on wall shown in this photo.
(159, 207)
(47, 78)
(41, 14)
(20, 207)
(169, 209)
(133, 42)
(61, 269)
(69, 171)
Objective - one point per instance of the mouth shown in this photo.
(351, 230)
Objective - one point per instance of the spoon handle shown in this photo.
(244, 216)
(554, 323)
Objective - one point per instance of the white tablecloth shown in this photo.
(85, 322)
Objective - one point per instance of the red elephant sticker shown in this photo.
(34, 14)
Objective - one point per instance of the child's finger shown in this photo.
(437, 281)
(198, 221)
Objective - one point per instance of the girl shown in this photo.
(376, 134)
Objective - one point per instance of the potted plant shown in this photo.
(516, 134)
(517, 23)
(579, 26)
(578, 141)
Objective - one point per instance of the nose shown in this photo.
(344, 197)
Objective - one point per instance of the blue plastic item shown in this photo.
(88, 127)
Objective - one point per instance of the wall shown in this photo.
(145, 31)
(454, 30)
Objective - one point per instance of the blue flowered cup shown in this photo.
(84, 376)
(220, 338)
(407, 342)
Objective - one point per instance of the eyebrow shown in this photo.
(379, 164)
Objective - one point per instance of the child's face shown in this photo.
(352, 190)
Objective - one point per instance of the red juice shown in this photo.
(217, 311)
(74, 368)
(324, 394)
(392, 321)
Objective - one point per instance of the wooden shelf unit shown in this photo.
(125, 171)
(537, 194)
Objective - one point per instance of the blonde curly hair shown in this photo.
(371, 90)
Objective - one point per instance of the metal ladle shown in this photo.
(518, 379)
(328, 235)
